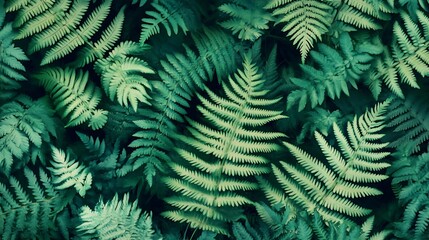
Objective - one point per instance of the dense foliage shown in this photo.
(222, 119)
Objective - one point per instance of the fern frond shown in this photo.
(123, 75)
(223, 155)
(116, 219)
(74, 97)
(409, 175)
(44, 20)
(328, 188)
(247, 19)
(11, 68)
(28, 211)
(106, 42)
(24, 126)
(59, 25)
(181, 76)
(69, 173)
(409, 54)
(75, 39)
(172, 15)
(408, 117)
(304, 21)
(337, 70)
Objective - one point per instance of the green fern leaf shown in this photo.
(409, 54)
(74, 98)
(75, 39)
(337, 70)
(29, 212)
(316, 187)
(172, 15)
(181, 76)
(11, 57)
(122, 75)
(24, 126)
(225, 155)
(109, 37)
(248, 19)
(116, 219)
(69, 173)
(408, 118)
(59, 25)
(410, 179)
(304, 21)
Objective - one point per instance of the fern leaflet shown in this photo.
(170, 14)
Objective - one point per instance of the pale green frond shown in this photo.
(115, 219)
(223, 156)
(75, 98)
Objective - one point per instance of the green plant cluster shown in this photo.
(222, 119)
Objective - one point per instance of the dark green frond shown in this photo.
(24, 126)
(410, 179)
(181, 76)
(28, 210)
(11, 68)
(409, 117)
(247, 19)
(336, 71)
(172, 15)
(74, 97)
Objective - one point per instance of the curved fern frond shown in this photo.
(58, 25)
(329, 188)
(116, 219)
(247, 19)
(28, 211)
(304, 21)
(24, 126)
(11, 57)
(172, 15)
(123, 75)
(225, 155)
(69, 173)
(181, 76)
(74, 97)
